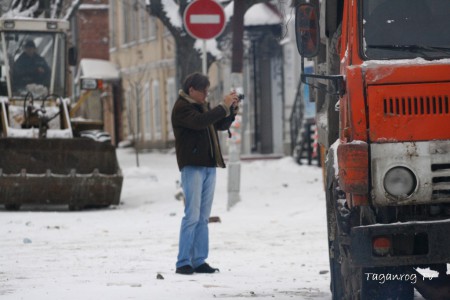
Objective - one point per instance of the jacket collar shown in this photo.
(189, 99)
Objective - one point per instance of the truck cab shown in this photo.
(382, 90)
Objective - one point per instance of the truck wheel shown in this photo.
(12, 206)
(336, 284)
(349, 282)
(345, 281)
(345, 278)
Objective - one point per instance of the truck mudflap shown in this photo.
(79, 172)
(412, 243)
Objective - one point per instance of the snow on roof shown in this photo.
(414, 61)
(93, 6)
(98, 69)
(257, 15)
(261, 14)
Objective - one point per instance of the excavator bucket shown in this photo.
(79, 172)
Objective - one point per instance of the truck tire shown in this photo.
(345, 278)
(336, 282)
(349, 282)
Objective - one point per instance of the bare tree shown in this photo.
(137, 93)
(56, 9)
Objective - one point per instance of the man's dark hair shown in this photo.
(196, 80)
(30, 44)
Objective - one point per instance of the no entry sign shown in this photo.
(204, 19)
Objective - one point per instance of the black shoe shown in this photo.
(205, 268)
(185, 270)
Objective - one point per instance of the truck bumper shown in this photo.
(432, 246)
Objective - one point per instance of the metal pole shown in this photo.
(234, 164)
(204, 62)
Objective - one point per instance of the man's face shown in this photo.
(30, 51)
(198, 95)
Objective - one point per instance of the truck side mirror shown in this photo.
(72, 56)
(307, 29)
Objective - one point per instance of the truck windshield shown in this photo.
(404, 29)
(32, 62)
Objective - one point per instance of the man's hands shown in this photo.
(231, 99)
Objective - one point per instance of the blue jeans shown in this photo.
(198, 185)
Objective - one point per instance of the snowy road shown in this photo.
(270, 245)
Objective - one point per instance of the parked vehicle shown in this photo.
(382, 87)
(45, 158)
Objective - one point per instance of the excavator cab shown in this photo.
(43, 161)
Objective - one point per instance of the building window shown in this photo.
(152, 28)
(156, 109)
(144, 20)
(130, 114)
(130, 10)
(112, 24)
(171, 98)
(147, 113)
(126, 22)
(147, 24)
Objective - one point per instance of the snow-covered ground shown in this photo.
(272, 244)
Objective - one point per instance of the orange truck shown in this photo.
(382, 92)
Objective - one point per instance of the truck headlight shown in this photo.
(400, 182)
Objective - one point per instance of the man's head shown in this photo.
(29, 47)
(196, 86)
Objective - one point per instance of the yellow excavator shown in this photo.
(45, 159)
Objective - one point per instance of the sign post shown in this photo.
(204, 19)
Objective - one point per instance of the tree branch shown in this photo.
(156, 9)
(72, 9)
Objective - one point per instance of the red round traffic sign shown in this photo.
(204, 19)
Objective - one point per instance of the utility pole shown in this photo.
(234, 164)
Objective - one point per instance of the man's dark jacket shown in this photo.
(26, 71)
(195, 128)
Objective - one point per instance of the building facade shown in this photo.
(90, 33)
(144, 51)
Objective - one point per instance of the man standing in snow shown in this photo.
(195, 127)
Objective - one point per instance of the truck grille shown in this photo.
(399, 112)
(440, 181)
(407, 106)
